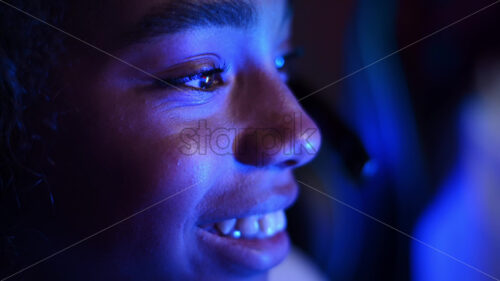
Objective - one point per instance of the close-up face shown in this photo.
(189, 118)
(229, 140)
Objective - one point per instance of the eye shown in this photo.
(282, 62)
(204, 81)
(208, 81)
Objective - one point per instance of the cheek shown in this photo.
(136, 173)
(162, 163)
(162, 170)
(155, 169)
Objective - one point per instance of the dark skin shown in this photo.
(119, 148)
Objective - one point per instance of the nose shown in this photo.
(277, 132)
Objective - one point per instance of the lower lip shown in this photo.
(247, 255)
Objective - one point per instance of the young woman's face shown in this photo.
(203, 114)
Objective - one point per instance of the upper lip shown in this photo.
(253, 205)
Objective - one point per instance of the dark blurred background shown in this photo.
(411, 140)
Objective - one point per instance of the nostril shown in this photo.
(290, 163)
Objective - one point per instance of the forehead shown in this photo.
(114, 23)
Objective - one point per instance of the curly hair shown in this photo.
(28, 50)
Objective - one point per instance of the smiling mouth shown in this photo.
(252, 227)
(245, 235)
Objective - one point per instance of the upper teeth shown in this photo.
(253, 226)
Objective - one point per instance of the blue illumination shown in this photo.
(370, 169)
(447, 225)
(279, 62)
(456, 223)
(236, 234)
(378, 106)
(310, 147)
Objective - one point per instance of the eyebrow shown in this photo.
(179, 15)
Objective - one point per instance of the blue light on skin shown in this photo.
(309, 147)
(147, 127)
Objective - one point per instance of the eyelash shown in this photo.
(281, 63)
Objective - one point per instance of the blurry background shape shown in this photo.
(464, 220)
(390, 134)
